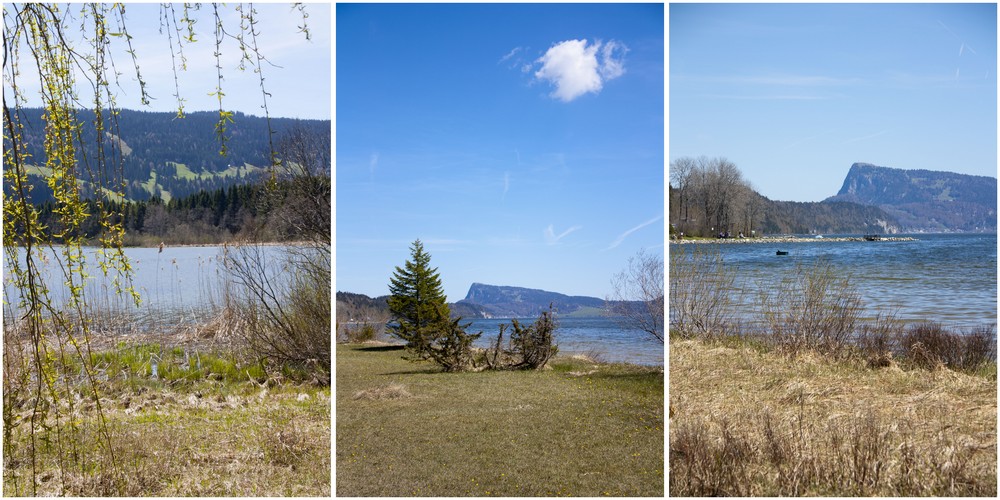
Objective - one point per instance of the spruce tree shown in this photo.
(418, 302)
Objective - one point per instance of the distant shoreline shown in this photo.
(792, 239)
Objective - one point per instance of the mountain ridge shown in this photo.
(924, 200)
(165, 156)
(519, 302)
(491, 301)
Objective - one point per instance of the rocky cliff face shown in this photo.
(517, 302)
(925, 200)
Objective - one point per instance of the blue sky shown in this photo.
(523, 144)
(298, 78)
(794, 94)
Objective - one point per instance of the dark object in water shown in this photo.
(780, 252)
(872, 237)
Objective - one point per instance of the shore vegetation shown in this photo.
(806, 396)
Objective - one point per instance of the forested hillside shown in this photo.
(792, 217)
(206, 217)
(164, 156)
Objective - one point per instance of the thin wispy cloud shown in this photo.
(963, 45)
(576, 68)
(773, 80)
(506, 185)
(786, 97)
(866, 137)
(626, 234)
(550, 234)
(510, 54)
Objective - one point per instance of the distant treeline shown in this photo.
(710, 197)
(206, 217)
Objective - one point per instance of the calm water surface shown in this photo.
(189, 281)
(950, 279)
(179, 279)
(582, 335)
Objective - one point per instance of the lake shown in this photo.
(947, 278)
(599, 335)
(183, 281)
(187, 283)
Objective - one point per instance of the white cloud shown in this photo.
(506, 184)
(573, 67)
(624, 235)
(611, 66)
(550, 235)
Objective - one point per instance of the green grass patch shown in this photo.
(133, 364)
(580, 428)
(183, 172)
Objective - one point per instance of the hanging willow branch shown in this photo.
(69, 50)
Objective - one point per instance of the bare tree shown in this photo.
(637, 297)
(286, 302)
(681, 171)
(712, 196)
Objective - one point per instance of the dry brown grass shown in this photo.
(208, 438)
(387, 391)
(744, 422)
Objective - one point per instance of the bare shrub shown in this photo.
(980, 346)
(529, 347)
(868, 448)
(861, 455)
(878, 339)
(929, 345)
(637, 300)
(812, 308)
(286, 300)
(703, 298)
(701, 465)
(284, 303)
(356, 334)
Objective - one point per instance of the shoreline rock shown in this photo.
(792, 239)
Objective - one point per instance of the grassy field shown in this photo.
(580, 428)
(746, 422)
(202, 427)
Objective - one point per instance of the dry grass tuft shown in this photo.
(748, 423)
(183, 437)
(388, 391)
